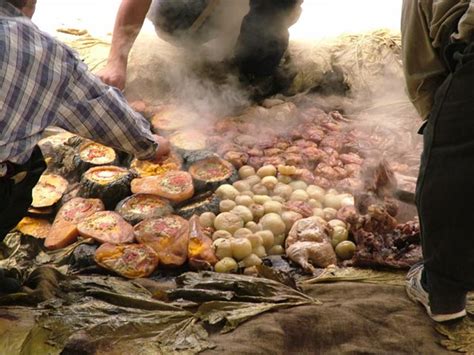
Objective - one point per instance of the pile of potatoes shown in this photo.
(253, 221)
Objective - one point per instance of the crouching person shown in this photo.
(43, 83)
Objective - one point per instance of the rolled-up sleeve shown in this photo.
(100, 112)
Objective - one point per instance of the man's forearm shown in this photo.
(129, 21)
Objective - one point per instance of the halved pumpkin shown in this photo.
(128, 260)
(176, 186)
(106, 227)
(48, 191)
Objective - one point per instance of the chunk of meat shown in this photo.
(307, 254)
(200, 251)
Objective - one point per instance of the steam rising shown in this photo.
(197, 80)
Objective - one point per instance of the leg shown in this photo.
(445, 189)
(264, 36)
(17, 198)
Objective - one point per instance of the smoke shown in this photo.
(191, 68)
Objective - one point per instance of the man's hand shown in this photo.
(114, 74)
(163, 147)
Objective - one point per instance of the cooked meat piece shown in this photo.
(255, 152)
(351, 158)
(301, 207)
(236, 158)
(272, 152)
(333, 141)
(326, 171)
(307, 254)
(293, 159)
(322, 182)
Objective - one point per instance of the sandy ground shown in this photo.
(320, 18)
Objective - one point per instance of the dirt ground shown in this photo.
(353, 319)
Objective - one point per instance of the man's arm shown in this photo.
(129, 21)
(100, 112)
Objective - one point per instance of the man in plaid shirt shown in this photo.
(43, 83)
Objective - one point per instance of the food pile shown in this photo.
(275, 181)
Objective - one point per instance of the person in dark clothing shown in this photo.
(438, 54)
(44, 84)
(260, 47)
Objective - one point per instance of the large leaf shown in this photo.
(209, 286)
(235, 313)
(357, 275)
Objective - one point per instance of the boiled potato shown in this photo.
(226, 265)
(227, 192)
(206, 219)
(269, 182)
(283, 191)
(255, 240)
(284, 179)
(315, 203)
(279, 239)
(337, 222)
(257, 210)
(298, 185)
(242, 233)
(338, 235)
(316, 192)
(261, 199)
(243, 212)
(241, 185)
(288, 170)
(259, 189)
(226, 205)
(220, 234)
(274, 223)
(247, 193)
(318, 212)
(252, 180)
(347, 200)
(251, 271)
(278, 199)
(299, 195)
(254, 227)
(267, 238)
(329, 213)
(332, 201)
(345, 250)
(289, 218)
(241, 248)
(260, 251)
(276, 250)
(229, 222)
(267, 170)
(272, 206)
(251, 260)
(222, 248)
(246, 171)
(244, 200)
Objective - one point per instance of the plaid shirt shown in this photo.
(43, 83)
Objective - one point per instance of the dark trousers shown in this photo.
(446, 186)
(264, 36)
(16, 198)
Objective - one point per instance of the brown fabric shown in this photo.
(354, 318)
